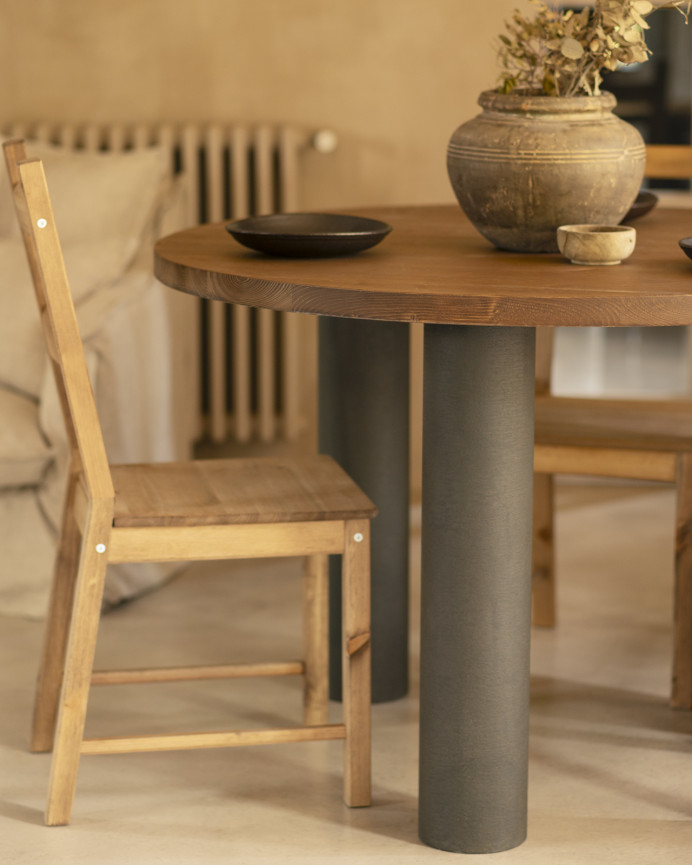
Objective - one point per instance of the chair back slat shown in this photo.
(668, 161)
(58, 318)
(15, 152)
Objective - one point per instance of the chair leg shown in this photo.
(316, 640)
(543, 575)
(79, 660)
(682, 653)
(356, 662)
(57, 626)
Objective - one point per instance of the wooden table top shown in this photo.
(434, 267)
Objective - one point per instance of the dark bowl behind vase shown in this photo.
(644, 203)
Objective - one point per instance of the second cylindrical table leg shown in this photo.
(476, 588)
(363, 424)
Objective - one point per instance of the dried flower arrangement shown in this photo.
(562, 53)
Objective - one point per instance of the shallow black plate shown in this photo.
(308, 235)
(643, 203)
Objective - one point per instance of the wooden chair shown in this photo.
(216, 509)
(641, 439)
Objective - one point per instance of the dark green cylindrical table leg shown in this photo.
(476, 589)
(363, 424)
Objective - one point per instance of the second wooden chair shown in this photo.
(640, 439)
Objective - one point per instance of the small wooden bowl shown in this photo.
(596, 244)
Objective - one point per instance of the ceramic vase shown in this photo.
(529, 163)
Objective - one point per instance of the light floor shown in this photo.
(611, 764)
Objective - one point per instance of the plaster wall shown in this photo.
(393, 78)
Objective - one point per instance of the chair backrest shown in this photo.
(668, 161)
(58, 319)
(663, 161)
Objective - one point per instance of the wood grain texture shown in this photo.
(243, 541)
(239, 508)
(220, 492)
(316, 640)
(79, 661)
(655, 425)
(61, 332)
(671, 161)
(616, 438)
(223, 739)
(605, 462)
(543, 600)
(682, 650)
(356, 662)
(51, 666)
(434, 267)
(545, 338)
(197, 673)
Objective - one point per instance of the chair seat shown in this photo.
(236, 491)
(664, 425)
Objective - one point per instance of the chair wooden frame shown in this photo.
(641, 439)
(216, 509)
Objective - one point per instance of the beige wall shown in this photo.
(392, 77)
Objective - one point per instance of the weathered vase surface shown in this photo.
(530, 163)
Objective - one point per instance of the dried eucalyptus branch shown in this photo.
(563, 53)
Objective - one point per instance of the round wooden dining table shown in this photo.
(480, 307)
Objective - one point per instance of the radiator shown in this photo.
(251, 363)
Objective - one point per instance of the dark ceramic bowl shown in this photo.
(308, 235)
(643, 203)
(686, 246)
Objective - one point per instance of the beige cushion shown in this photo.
(124, 320)
(95, 195)
(91, 267)
(28, 551)
(24, 453)
(104, 205)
